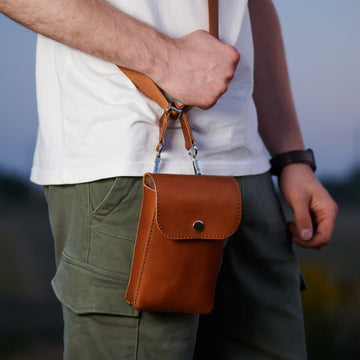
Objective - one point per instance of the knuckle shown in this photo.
(234, 53)
(230, 73)
(237, 57)
(209, 101)
(325, 240)
(223, 88)
(199, 32)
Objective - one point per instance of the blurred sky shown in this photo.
(322, 41)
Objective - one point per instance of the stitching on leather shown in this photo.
(144, 261)
(186, 236)
(239, 202)
(187, 136)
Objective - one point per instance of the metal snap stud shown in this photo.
(198, 226)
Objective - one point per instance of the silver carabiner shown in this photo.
(193, 154)
(157, 160)
(171, 106)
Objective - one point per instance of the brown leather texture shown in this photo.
(213, 7)
(183, 222)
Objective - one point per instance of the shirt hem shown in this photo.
(48, 177)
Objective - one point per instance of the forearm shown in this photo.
(94, 27)
(278, 124)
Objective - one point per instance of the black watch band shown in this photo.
(279, 161)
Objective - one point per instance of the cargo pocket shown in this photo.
(113, 225)
(84, 289)
(94, 226)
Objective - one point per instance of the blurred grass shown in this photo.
(332, 302)
(30, 316)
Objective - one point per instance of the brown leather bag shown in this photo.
(183, 222)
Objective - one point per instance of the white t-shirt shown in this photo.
(94, 123)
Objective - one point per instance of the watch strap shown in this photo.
(278, 162)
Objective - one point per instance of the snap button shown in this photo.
(198, 226)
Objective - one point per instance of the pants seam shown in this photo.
(89, 222)
(137, 337)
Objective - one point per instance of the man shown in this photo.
(96, 138)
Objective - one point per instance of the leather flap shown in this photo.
(196, 206)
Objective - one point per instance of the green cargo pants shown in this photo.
(257, 311)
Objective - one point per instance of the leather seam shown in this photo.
(144, 261)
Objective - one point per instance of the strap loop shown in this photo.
(174, 110)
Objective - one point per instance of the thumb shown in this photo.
(303, 220)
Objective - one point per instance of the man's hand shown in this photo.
(314, 209)
(197, 69)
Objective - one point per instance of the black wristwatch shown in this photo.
(279, 161)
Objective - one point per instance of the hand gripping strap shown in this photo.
(151, 90)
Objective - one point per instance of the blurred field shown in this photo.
(332, 301)
(30, 318)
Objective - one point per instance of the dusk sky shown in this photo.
(323, 51)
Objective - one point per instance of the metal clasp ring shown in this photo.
(171, 106)
(157, 160)
(193, 154)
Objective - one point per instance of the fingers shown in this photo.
(303, 221)
(323, 225)
(314, 209)
(325, 222)
(321, 237)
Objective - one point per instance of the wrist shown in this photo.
(282, 160)
(157, 64)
